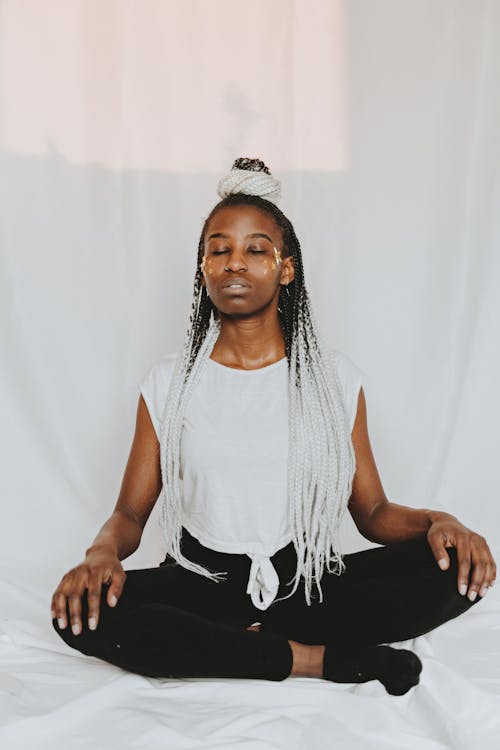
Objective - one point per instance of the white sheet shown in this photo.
(116, 121)
(53, 696)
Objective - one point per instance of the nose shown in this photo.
(235, 262)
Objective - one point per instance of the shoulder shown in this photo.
(161, 370)
(350, 376)
(154, 386)
(347, 369)
(345, 365)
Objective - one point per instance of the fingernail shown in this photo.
(76, 628)
(92, 623)
(113, 600)
(61, 623)
(462, 589)
(443, 564)
(483, 592)
(472, 595)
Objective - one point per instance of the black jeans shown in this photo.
(170, 622)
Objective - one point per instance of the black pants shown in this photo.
(170, 622)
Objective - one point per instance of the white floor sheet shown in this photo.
(54, 697)
(117, 119)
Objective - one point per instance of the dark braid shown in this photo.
(253, 165)
(321, 455)
(293, 300)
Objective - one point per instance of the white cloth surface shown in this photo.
(117, 121)
(52, 696)
(234, 457)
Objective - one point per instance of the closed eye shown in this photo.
(250, 250)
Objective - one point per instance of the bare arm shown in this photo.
(119, 536)
(378, 519)
(384, 522)
(139, 491)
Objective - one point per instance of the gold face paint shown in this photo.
(278, 259)
(274, 263)
(206, 265)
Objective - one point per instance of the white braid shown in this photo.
(178, 396)
(250, 182)
(321, 467)
(321, 458)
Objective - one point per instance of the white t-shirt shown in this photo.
(234, 452)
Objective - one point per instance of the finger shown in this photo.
(94, 600)
(492, 567)
(478, 574)
(486, 583)
(75, 605)
(59, 604)
(464, 563)
(481, 559)
(490, 576)
(439, 551)
(116, 587)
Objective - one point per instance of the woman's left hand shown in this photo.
(472, 551)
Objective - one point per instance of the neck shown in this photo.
(249, 342)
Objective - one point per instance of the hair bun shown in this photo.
(252, 165)
(250, 176)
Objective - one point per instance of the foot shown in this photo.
(307, 660)
(397, 669)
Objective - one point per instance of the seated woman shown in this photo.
(256, 437)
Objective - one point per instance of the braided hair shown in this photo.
(321, 459)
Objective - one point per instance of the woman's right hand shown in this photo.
(101, 565)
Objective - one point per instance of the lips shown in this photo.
(235, 281)
(235, 289)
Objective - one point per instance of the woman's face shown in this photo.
(243, 248)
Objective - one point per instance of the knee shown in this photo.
(84, 640)
(79, 642)
(459, 602)
(75, 641)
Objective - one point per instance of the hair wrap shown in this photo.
(254, 181)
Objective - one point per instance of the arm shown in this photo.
(385, 522)
(119, 536)
(139, 491)
(376, 518)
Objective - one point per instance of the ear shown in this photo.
(202, 277)
(287, 270)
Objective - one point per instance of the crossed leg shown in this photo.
(170, 622)
(386, 594)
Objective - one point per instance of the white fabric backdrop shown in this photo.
(116, 121)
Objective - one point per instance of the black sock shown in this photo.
(397, 669)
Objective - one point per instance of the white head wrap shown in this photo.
(251, 182)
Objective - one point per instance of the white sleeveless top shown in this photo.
(234, 452)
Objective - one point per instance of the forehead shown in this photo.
(239, 221)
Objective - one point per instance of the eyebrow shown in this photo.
(226, 236)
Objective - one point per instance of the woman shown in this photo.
(256, 436)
